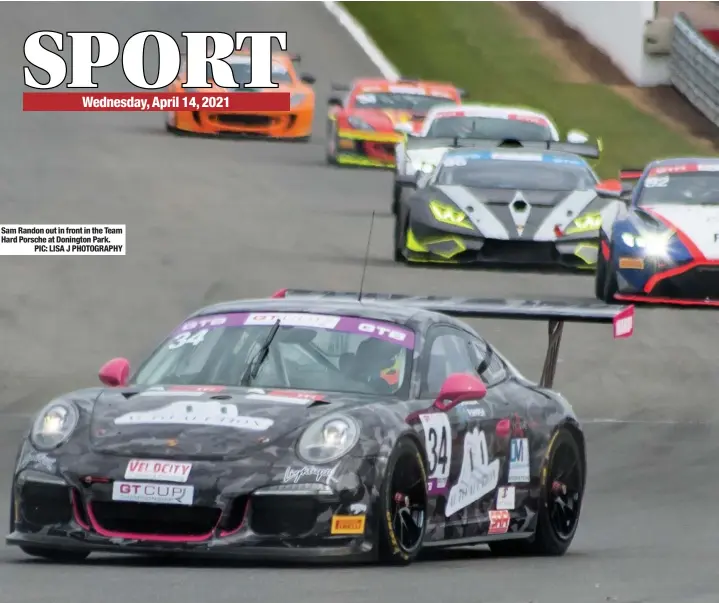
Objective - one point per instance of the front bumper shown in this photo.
(75, 511)
(367, 148)
(295, 124)
(427, 244)
(693, 283)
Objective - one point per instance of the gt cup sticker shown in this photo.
(164, 494)
(519, 461)
(477, 478)
(438, 444)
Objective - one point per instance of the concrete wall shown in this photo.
(617, 29)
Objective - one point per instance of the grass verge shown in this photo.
(478, 46)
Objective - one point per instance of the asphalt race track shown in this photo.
(214, 219)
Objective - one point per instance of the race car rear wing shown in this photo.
(585, 150)
(556, 313)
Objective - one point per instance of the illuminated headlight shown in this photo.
(297, 98)
(54, 425)
(328, 439)
(448, 214)
(359, 124)
(585, 223)
(651, 243)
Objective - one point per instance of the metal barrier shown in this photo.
(694, 68)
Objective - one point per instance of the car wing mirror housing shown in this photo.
(458, 388)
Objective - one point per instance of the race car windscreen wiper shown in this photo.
(253, 367)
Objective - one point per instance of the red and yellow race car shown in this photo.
(370, 116)
(296, 124)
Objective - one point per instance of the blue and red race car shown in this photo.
(660, 240)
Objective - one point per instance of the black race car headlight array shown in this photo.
(54, 425)
(328, 439)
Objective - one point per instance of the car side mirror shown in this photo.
(115, 372)
(458, 388)
(577, 137)
(609, 189)
(404, 128)
(407, 180)
(308, 78)
(334, 101)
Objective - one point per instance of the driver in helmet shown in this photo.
(375, 363)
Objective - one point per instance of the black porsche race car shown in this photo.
(525, 206)
(312, 426)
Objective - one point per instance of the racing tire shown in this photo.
(400, 237)
(396, 195)
(610, 287)
(600, 276)
(556, 523)
(331, 145)
(56, 555)
(402, 503)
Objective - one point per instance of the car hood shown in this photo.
(506, 214)
(699, 223)
(231, 423)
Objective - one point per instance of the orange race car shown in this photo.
(293, 125)
(366, 122)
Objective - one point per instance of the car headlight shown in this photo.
(653, 244)
(54, 425)
(297, 98)
(585, 223)
(328, 439)
(448, 214)
(358, 124)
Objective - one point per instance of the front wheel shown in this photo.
(403, 505)
(331, 145)
(600, 275)
(400, 236)
(609, 282)
(561, 495)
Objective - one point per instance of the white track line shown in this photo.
(361, 37)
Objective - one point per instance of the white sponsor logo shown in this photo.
(151, 469)
(166, 494)
(382, 331)
(294, 320)
(506, 498)
(194, 412)
(106, 47)
(201, 323)
(477, 478)
(318, 474)
(519, 460)
(474, 409)
(358, 509)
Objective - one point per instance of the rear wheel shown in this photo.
(57, 555)
(403, 505)
(560, 502)
(400, 236)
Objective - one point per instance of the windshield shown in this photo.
(418, 103)
(241, 72)
(490, 128)
(539, 176)
(692, 188)
(309, 351)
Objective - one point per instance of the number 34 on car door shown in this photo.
(438, 443)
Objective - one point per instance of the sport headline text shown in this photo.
(206, 53)
(62, 239)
